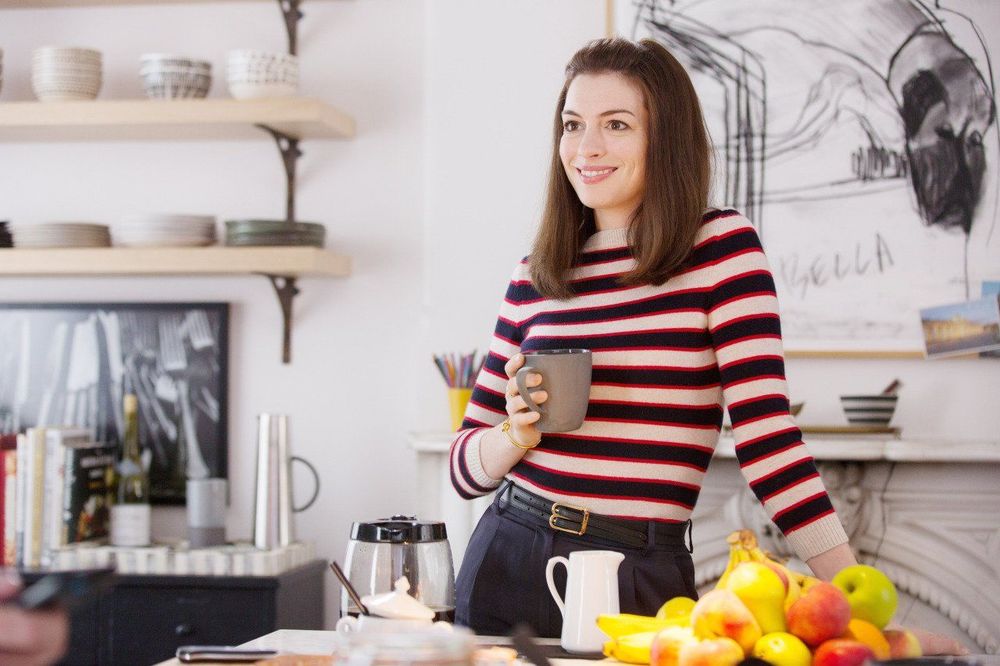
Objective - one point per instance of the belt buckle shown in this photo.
(555, 514)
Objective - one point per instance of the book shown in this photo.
(8, 504)
(86, 497)
(57, 442)
(20, 494)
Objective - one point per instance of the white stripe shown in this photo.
(663, 396)
(656, 322)
(762, 468)
(794, 495)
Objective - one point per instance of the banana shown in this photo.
(624, 624)
(734, 554)
(631, 648)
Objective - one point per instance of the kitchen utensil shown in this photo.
(272, 521)
(381, 551)
(524, 640)
(591, 589)
(351, 592)
(566, 379)
(869, 410)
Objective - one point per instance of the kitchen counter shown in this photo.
(296, 641)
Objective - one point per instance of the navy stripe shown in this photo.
(693, 340)
(804, 513)
(611, 488)
(657, 377)
(784, 479)
(755, 408)
(753, 368)
(747, 328)
(749, 453)
(660, 304)
(634, 451)
(664, 414)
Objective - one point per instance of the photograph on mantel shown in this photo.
(71, 364)
(866, 158)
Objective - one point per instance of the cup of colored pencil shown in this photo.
(459, 372)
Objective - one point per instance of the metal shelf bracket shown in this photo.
(290, 10)
(288, 146)
(286, 291)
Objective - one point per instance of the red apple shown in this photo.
(713, 652)
(821, 613)
(842, 652)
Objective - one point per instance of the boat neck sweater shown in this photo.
(665, 360)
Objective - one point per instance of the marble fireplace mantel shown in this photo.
(926, 512)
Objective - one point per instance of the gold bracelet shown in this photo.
(505, 428)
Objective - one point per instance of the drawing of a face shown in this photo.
(946, 108)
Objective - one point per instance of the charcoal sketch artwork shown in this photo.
(71, 364)
(860, 137)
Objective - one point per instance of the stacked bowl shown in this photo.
(6, 240)
(167, 76)
(274, 232)
(874, 410)
(252, 74)
(63, 74)
(151, 230)
(61, 234)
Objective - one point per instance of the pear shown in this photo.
(762, 592)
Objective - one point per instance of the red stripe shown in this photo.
(657, 387)
(809, 521)
(627, 440)
(730, 343)
(663, 368)
(745, 359)
(722, 236)
(640, 403)
(685, 426)
(728, 257)
(768, 435)
(737, 320)
(756, 398)
(618, 304)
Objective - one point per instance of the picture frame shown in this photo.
(811, 147)
(72, 363)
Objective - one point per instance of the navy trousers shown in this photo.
(502, 579)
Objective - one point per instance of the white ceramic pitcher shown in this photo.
(591, 589)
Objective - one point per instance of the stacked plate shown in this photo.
(165, 231)
(251, 74)
(63, 74)
(6, 240)
(61, 234)
(274, 232)
(1, 69)
(172, 77)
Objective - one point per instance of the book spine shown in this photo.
(20, 498)
(10, 508)
(35, 500)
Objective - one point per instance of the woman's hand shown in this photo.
(522, 419)
(29, 637)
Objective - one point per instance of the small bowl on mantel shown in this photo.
(874, 410)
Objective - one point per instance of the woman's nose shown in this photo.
(592, 142)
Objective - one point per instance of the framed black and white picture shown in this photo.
(71, 364)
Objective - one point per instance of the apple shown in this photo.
(720, 613)
(902, 644)
(678, 608)
(821, 613)
(871, 594)
(666, 647)
(870, 635)
(842, 652)
(780, 648)
(713, 652)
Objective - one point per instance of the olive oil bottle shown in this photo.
(130, 515)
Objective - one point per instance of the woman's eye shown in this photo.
(570, 125)
(617, 125)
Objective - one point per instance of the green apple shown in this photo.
(871, 594)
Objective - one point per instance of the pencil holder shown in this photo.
(458, 399)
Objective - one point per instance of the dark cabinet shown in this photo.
(144, 619)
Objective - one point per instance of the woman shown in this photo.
(679, 308)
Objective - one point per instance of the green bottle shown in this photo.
(130, 516)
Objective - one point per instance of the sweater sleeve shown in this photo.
(746, 333)
(488, 404)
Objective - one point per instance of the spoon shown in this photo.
(892, 388)
(351, 592)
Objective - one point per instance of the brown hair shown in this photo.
(678, 172)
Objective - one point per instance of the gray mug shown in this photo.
(566, 378)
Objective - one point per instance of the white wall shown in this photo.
(436, 199)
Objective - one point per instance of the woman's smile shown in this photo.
(594, 175)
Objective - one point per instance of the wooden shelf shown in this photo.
(282, 261)
(35, 4)
(181, 119)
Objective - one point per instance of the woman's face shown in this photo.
(603, 145)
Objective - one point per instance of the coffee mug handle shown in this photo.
(549, 569)
(522, 387)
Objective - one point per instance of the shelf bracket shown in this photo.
(290, 10)
(288, 146)
(284, 287)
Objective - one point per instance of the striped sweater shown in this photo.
(665, 360)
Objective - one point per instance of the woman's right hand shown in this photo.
(522, 419)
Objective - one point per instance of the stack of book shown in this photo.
(56, 490)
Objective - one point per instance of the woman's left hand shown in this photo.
(932, 644)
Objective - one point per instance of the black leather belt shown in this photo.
(578, 521)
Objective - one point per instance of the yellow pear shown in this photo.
(762, 592)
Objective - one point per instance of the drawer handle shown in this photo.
(183, 629)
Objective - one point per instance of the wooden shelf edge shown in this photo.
(218, 118)
(216, 260)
